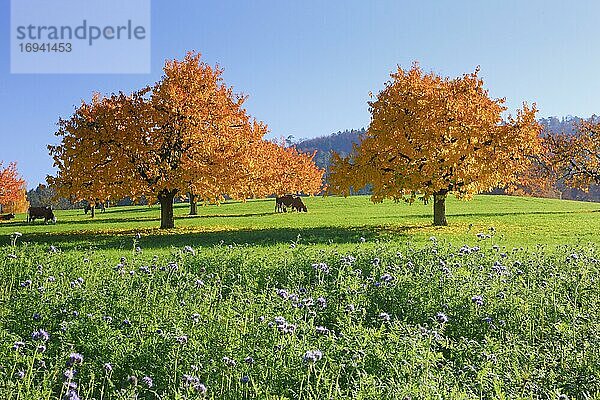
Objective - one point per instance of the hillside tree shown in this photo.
(430, 136)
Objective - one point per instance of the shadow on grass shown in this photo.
(152, 240)
(88, 220)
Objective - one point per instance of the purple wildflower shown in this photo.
(189, 250)
(183, 339)
(478, 300)
(322, 302)
(322, 330)
(229, 362)
(200, 388)
(312, 356)
(441, 318)
(385, 317)
(147, 381)
(18, 345)
(75, 358)
(40, 335)
(321, 267)
(71, 395)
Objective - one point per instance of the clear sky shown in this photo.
(308, 66)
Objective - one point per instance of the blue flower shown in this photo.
(322, 330)
(385, 317)
(74, 358)
(478, 300)
(40, 335)
(441, 318)
(321, 267)
(183, 339)
(148, 381)
(322, 302)
(18, 345)
(229, 362)
(312, 356)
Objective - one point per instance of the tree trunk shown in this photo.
(165, 197)
(193, 204)
(93, 209)
(439, 209)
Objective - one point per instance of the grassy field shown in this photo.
(517, 221)
(351, 300)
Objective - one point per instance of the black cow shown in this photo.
(7, 217)
(282, 202)
(41, 212)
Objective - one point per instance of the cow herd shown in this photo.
(282, 204)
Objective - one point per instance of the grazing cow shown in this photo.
(88, 207)
(282, 202)
(40, 212)
(298, 205)
(7, 217)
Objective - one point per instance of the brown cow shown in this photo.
(298, 205)
(281, 203)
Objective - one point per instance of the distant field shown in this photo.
(518, 222)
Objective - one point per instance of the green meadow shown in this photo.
(350, 300)
(518, 221)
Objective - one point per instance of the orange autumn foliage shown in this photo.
(13, 193)
(430, 136)
(187, 133)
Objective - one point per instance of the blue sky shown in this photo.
(308, 66)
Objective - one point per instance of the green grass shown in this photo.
(518, 221)
(225, 279)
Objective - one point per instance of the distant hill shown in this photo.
(341, 142)
(565, 124)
